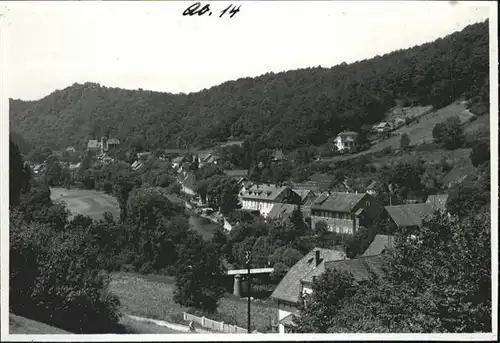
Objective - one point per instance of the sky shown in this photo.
(151, 45)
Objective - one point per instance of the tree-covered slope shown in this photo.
(286, 109)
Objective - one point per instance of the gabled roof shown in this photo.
(113, 141)
(93, 144)
(264, 192)
(178, 159)
(379, 245)
(189, 181)
(290, 286)
(236, 172)
(285, 210)
(438, 201)
(409, 215)
(361, 268)
(372, 185)
(347, 133)
(304, 193)
(337, 202)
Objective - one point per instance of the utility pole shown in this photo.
(248, 259)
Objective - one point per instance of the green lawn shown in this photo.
(87, 202)
(152, 297)
(23, 326)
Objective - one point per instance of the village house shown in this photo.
(307, 196)
(284, 211)
(288, 292)
(176, 162)
(113, 144)
(188, 183)
(380, 245)
(345, 212)
(142, 156)
(278, 155)
(103, 145)
(205, 158)
(70, 149)
(410, 215)
(263, 197)
(346, 140)
(383, 127)
(398, 122)
(371, 188)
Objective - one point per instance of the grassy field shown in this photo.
(23, 326)
(152, 296)
(419, 131)
(87, 202)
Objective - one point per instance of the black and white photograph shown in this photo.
(249, 170)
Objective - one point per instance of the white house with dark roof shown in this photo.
(262, 197)
(346, 140)
(288, 292)
(344, 212)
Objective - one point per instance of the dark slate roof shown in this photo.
(264, 192)
(290, 287)
(285, 210)
(379, 245)
(409, 215)
(337, 202)
(361, 268)
(348, 133)
(236, 172)
(438, 201)
(304, 193)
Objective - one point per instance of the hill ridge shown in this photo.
(287, 109)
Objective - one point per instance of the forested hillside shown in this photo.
(288, 109)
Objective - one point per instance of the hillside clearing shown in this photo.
(152, 296)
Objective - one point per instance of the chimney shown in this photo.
(317, 258)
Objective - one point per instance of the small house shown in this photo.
(346, 141)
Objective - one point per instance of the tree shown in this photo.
(319, 309)
(199, 261)
(282, 260)
(15, 174)
(297, 219)
(450, 133)
(480, 153)
(405, 141)
(55, 278)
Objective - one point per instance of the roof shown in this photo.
(93, 143)
(178, 159)
(379, 245)
(236, 172)
(189, 181)
(264, 192)
(383, 124)
(438, 201)
(409, 215)
(203, 156)
(285, 210)
(372, 185)
(347, 133)
(288, 320)
(337, 202)
(173, 151)
(361, 268)
(113, 141)
(290, 286)
(304, 193)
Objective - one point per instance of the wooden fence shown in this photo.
(214, 325)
